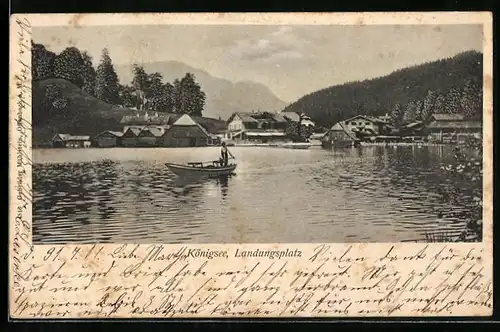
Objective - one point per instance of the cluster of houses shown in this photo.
(262, 127)
(144, 131)
(267, 127)
(160, 131)
(439, 128)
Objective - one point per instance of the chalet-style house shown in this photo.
(364, 124)
(262, 127)
(71, 141)
(446, 128)
(256, 126)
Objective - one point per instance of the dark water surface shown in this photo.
(369, 194)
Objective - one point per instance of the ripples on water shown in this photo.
(370, 194)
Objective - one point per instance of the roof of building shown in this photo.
(368, 118)
(61, 136)
(185, 120)
(68, 137)
(457, 124)
(253, 117)
(145, 119)
(114, 133)
(134, 131)
(279, 117)
(295, 117)
(338, 127)
(414, 124)
(156, 132)
(244, 116)
(448, 117)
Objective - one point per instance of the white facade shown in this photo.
(236, 124)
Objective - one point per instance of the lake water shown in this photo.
(369, 194)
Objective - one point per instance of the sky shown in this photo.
(290, 60)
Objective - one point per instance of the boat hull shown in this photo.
(183, 170)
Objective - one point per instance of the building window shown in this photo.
(353, 123)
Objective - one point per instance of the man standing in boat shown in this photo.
(224, 152)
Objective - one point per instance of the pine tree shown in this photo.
(107, 80)
(397, 115)
(155, 92)
(42, 62)
(191, 97)
(88, 74)
(68, 65)
(177, 96)
(140, 80)
(452, 101)
(428, 105)
(471, 99)
(439, 105)
(169, 92)
(411, 111)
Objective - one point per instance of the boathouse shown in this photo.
(70, 141)
(108, 139)
(130, 137)
(185, 132)
(451, 128)
(150, 136)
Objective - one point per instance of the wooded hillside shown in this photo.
(452, 85)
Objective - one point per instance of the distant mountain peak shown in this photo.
(223, 96)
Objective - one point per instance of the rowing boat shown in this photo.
(199, 168)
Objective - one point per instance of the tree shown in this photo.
(428, 105)
(177, 96)
(439, 104)
(88, 74)
(452, 101)
(107, 80)
(190, 97)
(140, 80)
(471, 99)
(411, 111)
(42, 62)
(68, 65)
(397, 115)
(154, 85)
(169, 91)
(127, 96)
